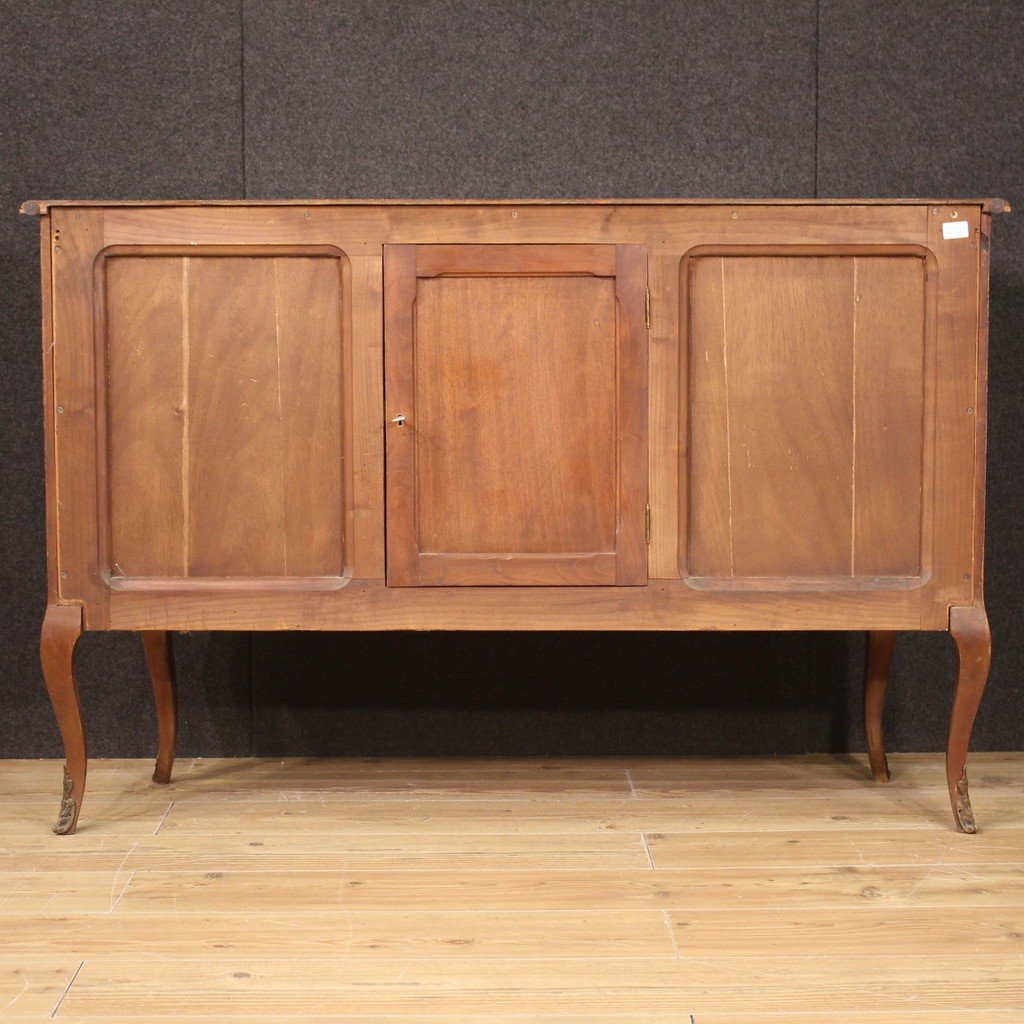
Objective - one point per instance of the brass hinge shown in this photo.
(647, 523)
(647, 308)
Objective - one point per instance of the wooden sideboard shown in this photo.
(536, 415)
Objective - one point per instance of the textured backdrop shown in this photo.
(537, 98)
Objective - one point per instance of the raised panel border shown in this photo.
(814, 584)
(172, 584)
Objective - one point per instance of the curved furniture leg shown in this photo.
(62, 627)
(880, 645)
(970, 630)
(160, 659)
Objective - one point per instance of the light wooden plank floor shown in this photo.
(752, 891)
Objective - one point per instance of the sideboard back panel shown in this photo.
(807, 400)
(223, 415)
(223, 381)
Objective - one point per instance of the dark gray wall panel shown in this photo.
(115, 101)
(529, 694)
(925, 98)
(539, 98)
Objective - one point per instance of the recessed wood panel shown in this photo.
(505, 364)
(515, 414)
(805, 415)
(224, 416)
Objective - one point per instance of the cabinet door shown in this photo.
(515, 380)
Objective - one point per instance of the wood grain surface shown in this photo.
(516, 407)
(856, 477)
(784, 890)
(808, 398)
(224, 420)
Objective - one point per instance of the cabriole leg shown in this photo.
(160, 659)
(877, 660)
(62, 627)
(973, 639)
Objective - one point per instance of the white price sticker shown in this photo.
(955, 229)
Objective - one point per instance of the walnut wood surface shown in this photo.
(973, 639)
(877, 659)
(33, 207)
(223, 413)
(62, 629)
(516, 380)
(808, 395)
(160, 660)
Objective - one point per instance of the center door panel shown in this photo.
(516, 396)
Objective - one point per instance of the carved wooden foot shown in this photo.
(878, 657)
(970, 630)
(160, 659)
(62, 627)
